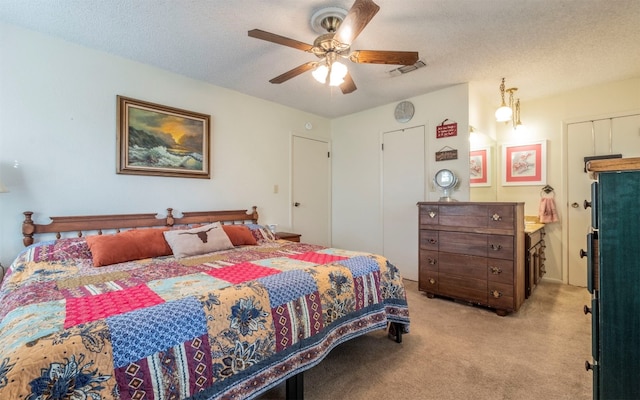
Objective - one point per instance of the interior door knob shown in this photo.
(296, 204)
(588, 366)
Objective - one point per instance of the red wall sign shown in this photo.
(448, 130)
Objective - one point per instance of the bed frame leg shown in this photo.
(395, 332)
(295, 387)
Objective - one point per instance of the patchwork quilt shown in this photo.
(229, 324)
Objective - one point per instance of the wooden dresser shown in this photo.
(473, 252)
(614, 278)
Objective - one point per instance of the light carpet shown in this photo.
(458, 351)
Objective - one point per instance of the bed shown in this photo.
(116, 312)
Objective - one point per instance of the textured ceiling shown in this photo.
(541, 46)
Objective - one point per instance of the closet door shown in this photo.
(403, 186)
(604, 136)
(311, 195)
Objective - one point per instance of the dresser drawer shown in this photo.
(463, 288)
(474, 244)
(429, 259)
(471, 215)
(427, 280)
(500, 216)
(500, 295)
(473, 267)
(429, 215)
(500, 246)
(429, 239)
(500, 271)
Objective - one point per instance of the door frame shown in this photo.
(292, 137)
(565, 180)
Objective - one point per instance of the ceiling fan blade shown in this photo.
(357, 18)
(348, 85)
(285, 41)
(384, 57)
(294, 72)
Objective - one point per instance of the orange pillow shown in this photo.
(239, 235)
(129, 245)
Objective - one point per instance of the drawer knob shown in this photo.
(583, 253)
(432, 241)
(496, 293)
(432, 281)
(587, 204)
(432, 214)
(586, 310)
(495, 247)
(588, 366)
(432, 261)
(495, 270)
(496, 217)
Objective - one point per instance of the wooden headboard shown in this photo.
(98, 223)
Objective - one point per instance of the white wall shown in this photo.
(544, 119)
(481, 118)
(58, 119)
(357, 213)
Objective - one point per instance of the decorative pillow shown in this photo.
(261, 233)
(134, 244)
(239, 235)
(204, 239)
(60, 250)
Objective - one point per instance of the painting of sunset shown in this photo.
(163, 141)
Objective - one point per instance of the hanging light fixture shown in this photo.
(511, 111)
(503, 113)
(330, 71)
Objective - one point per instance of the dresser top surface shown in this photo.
(613, 164)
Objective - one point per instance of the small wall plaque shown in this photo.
(446, 153)
(448, 130)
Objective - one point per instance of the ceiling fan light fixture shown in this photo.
(320, 73)
(338, 72)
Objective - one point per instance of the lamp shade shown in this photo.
(503, 114)
(320, 73)
(338, 72)
(3, 188)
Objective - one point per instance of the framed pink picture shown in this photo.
(480, 167)
(524, 164)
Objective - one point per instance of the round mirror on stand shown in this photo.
(446, 181)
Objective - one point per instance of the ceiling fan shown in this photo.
(334, 45)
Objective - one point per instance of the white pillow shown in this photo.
(201, 240)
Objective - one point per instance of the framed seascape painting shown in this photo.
(162, 141)
(480, 167)
(524, 164)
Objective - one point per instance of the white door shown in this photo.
(310, 190)
(403, 185)
(618, 135)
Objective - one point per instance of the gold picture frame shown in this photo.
(158, 140)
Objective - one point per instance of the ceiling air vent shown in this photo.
(407, 68)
